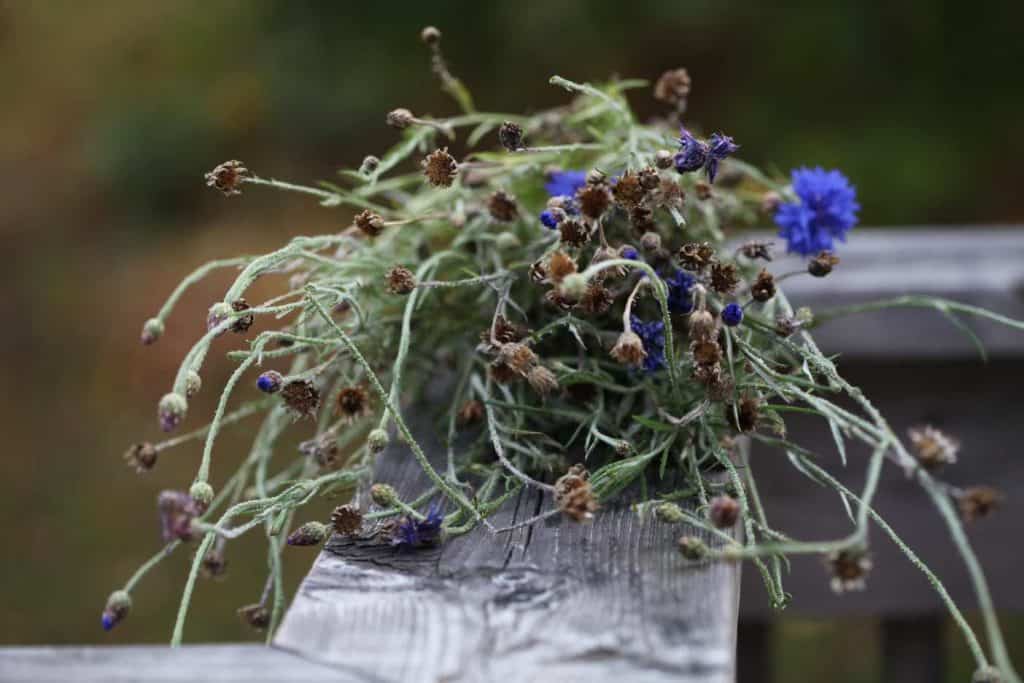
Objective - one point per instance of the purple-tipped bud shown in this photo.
(548, 219)
(719, 147)
(692, 154)
(629, 253)
(723, 511)
(118, 605)
(171, 411)
(310, 533)
(217, 314)
(270, 382)
(151, 331)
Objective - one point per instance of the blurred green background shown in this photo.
(113, 109)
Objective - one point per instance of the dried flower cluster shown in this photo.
(576, 299)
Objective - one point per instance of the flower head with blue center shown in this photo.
(412, 532)
(565, 183)
(652, 334)
(680, 294)
(825, 211)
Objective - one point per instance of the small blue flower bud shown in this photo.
(630, 253)
(732, 314)
(270, 382)
(171, 411)
(548, 219)
(118, 605)
(152, 330)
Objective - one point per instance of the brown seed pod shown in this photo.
(440, 168)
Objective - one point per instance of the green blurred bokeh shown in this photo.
(113, 109)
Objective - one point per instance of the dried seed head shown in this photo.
(932, 447)
(594, 199)
(141, 456)
(702, 190)
(663, 159)
(703, 325)
(822, 264)
(763, 288)
(242, 323)
(542, 380)
(323, 450)
(347, 519)
(502, 373)
(978, 501)
(171, 411)
(177, 510)
(119, 604)
(696, 256)
(505, 331)
(573, 233)
(502, 207)
(510, 135)
(400, 118)
(557, 299)
(519, 357)
(574, 495)
(228, 177)
(723, 511)
(560, 264)
(629, 349)
(430, 35)
(596, 300)
(650, 241)
(256, 617)
(470, 412)
(724, 277)
(692, 548)
(649, 178)
(400, 280)
(302, 396)
(744, 416)
(440, 168)
(849, 569)
(755, 249)
(629, 191)
(641, 219)
(673, 87)
(152, 330)
(669, 513)
(538, 273)
(706, 352)
(214, 565)
(353, 402)
(369, 223)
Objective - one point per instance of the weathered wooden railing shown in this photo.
(613, 600)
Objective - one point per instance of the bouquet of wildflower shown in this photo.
(570, 269)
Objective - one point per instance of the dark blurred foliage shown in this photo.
(113, 110)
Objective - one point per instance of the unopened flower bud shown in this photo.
(118, 605)
(171, 411)
(377, 440)
(383, 495)
(193, 383)
(310, 533)
(202, 494)
(651, 241)
(430, 35)
(256, 616)
(663, 159)
(670, 513)
(506, 241)
(152, 330)
(270, 382)
(692, 548)
(400, 118)
(217, 314)
(702, 325)
(369, 165)
(573, 286)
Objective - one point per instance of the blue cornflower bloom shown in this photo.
(680, 296)
(693, 153)
(826, 210)
(630, 253)
(412, 532)
(652, 334)
(732, 314)
(549, 219)
(719, 147)
(565, 183)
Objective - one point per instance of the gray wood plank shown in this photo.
(610, 600)
(974, 265)
(188, 664)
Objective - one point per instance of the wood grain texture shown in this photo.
(610, 600)
(189, 664)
